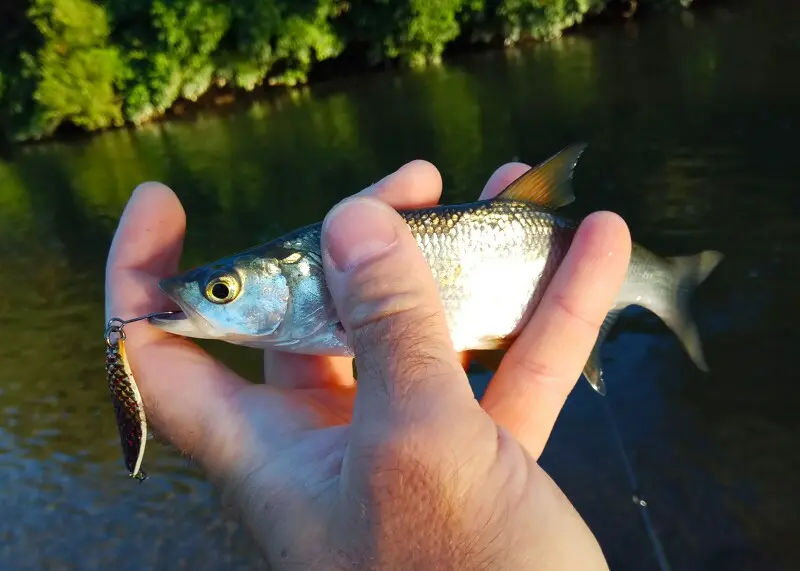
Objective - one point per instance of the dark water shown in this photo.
(692, 124)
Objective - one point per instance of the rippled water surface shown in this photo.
(692, 124)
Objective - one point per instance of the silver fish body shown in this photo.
(491, 261)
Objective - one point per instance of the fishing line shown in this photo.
(636, 496)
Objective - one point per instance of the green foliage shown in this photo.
(19, 36)
(272, 35)
(413, 31)
(75, 69)
(100, 63)
(169, 47)
(307, 38)
(542, 19)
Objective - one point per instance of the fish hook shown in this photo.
(116, 324)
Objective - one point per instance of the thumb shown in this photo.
(389, 305)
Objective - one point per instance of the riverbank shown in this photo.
(74, 66)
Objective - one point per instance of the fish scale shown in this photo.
(491, 261)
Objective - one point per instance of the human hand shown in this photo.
(412, 472)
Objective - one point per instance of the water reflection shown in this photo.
(690, 139)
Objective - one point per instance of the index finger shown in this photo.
(185, 391)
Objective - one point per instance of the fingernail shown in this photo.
(357, 230)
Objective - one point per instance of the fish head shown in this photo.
(239, 299)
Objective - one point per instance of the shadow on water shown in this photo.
(691, 136)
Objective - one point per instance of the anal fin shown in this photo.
(593, 370)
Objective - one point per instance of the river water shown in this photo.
(692, 123)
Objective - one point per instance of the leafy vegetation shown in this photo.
(95, 64)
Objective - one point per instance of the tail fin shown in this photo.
(689, 272)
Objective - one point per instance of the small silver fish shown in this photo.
(491, 260)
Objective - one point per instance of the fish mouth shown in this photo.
(172, 315)
(179, 323)
(183, 321)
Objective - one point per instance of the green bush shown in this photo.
(75, 69)
(413, 31)
(543, 19)
(285, 36)
(100, 63)
(168, 48)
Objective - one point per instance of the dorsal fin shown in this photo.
(548, 183)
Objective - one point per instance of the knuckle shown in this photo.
(382, 292)
(372, 313)
(533, 370)
(404, 449)
(577, 315)
(397, 345)
(394, 315)
(397, 330)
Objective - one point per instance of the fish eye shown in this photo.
(222, 289)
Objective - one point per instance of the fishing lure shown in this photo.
(125, 396)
